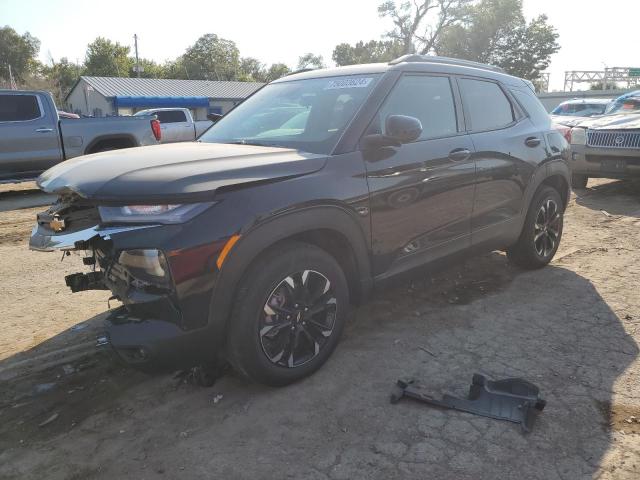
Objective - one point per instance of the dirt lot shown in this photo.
(572, 328)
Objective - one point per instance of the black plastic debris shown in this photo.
(512, 399)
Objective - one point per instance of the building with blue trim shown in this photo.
(106, 96)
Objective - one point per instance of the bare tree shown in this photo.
(419, 23)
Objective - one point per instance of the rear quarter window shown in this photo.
(19, 108)
(532, 106)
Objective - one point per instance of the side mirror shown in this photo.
(403, 128)
(400, 129)
(214, 117)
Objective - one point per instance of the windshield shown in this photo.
(308, 115)
(579, 109)
(625, 105)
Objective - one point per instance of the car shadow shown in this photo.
(621, 197)
(550, 326)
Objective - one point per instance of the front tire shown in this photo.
(579, 181)
(288, 314)
(542, 231)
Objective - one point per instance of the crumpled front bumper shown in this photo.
(155, 329)
(44, 240)
(152, 344)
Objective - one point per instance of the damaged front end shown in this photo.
(149, 330)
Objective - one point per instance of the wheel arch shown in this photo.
(556, 174)
(125, 140)
(331, 228)
(561, 185)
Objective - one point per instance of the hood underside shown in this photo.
(179, 171)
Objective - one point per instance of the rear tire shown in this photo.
(288, 314)
(542, 231)
(579, 181)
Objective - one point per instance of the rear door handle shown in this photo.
(459, 154)
(532, 142)
(44, 130)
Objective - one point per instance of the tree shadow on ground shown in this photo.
(550, 326)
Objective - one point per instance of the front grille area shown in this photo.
(614, 139)
(76, 214)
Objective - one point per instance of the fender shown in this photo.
(258, 238)
(101, 138)
(556, 167)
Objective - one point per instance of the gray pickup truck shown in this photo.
(33, 138)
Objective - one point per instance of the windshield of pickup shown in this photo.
(308, 115)
(625, 105)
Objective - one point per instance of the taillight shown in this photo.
(155, 128)
(565, 131)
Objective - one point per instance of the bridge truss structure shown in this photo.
(608, 77)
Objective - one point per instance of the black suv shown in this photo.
(251, 243)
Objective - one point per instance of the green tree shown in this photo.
(107, 59)
(19, 51)
(496, 32)
(526, 50)
(370, 52)
(478, 37)
(417, 25)
(276, 71)
(212, 58)
(61, 77)
(176, 69)
(309, 60)
(150, 69)
(252, 70)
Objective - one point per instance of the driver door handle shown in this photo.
(532, 142)
(459, 154)
(44, 130)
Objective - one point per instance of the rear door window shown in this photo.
(486, 105)
(427, 98)
(171, 116)
(19, 108)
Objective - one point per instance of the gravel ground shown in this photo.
(572, 328)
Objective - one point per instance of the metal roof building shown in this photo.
(100, 96)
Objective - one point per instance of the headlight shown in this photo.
(578, 136)
(167, 213)
(148, 266)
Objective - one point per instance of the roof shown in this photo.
(155, 87)
(424, 65)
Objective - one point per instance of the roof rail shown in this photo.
(302, 70)
(445, 60)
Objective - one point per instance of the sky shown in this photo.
(282, 30)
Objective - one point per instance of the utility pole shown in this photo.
(135, 40)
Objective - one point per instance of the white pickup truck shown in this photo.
(177, 124)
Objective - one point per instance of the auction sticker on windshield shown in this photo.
(348, 83)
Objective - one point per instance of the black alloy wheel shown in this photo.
(298, 318)
(547, 228)
(541, 232)
(288, 314)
